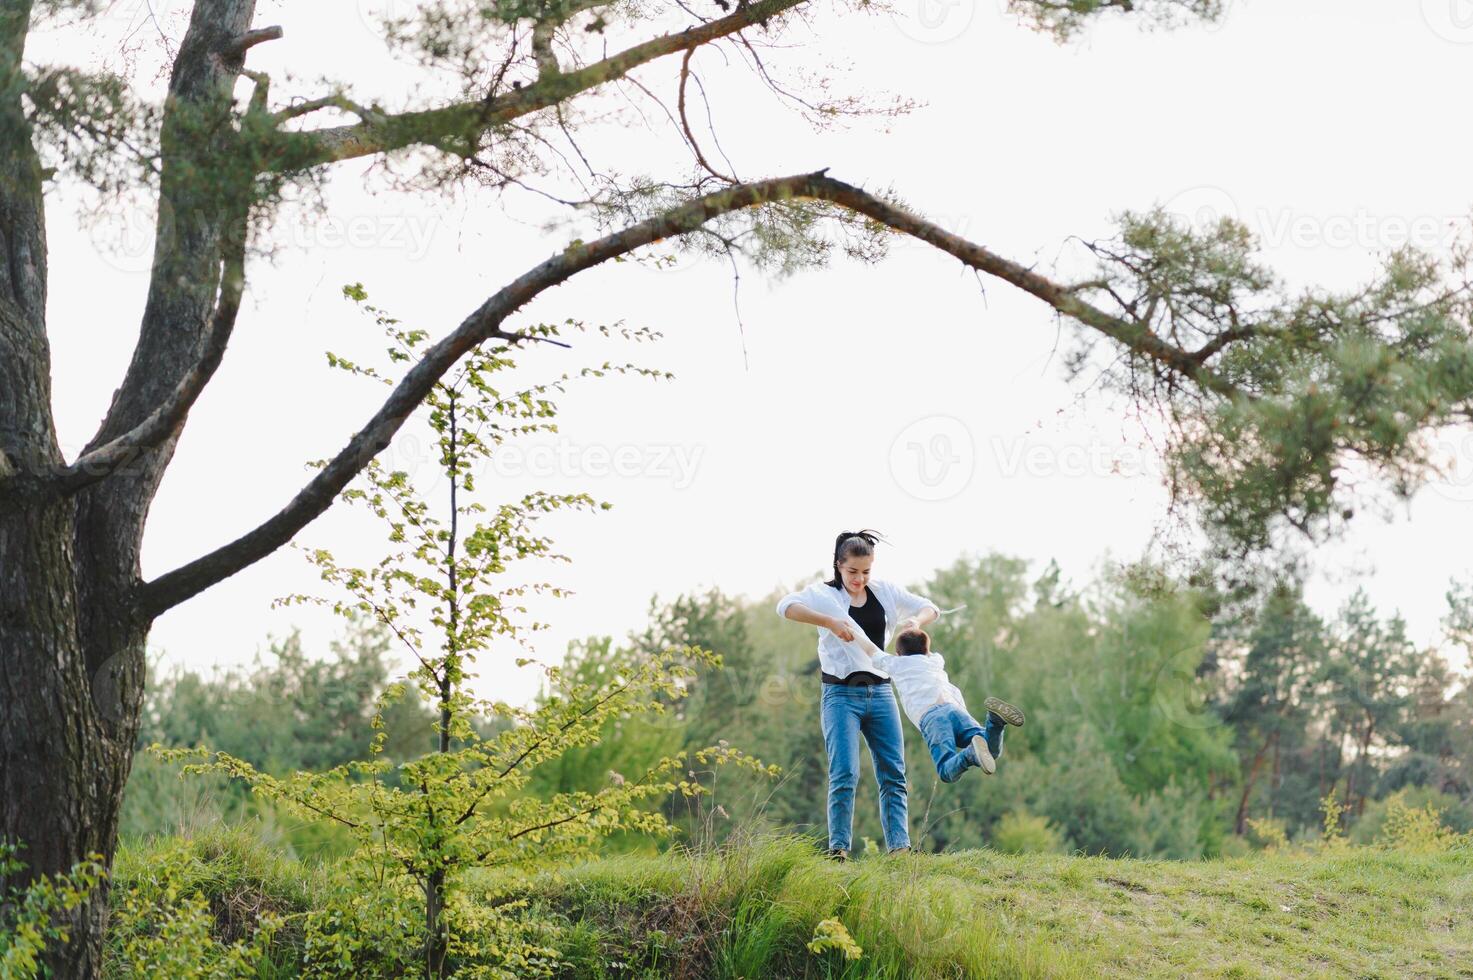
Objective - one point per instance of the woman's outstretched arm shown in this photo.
(920, 610)
(800, 613)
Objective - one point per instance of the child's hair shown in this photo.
(913, 641)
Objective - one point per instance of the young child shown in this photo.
(936, 706)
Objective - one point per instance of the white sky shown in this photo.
(894, 396)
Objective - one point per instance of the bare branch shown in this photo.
(240, 45)
(176, 586)
(485, 323)
(1133, 334)
(336, 100)
(685, 122)
(1221, 340)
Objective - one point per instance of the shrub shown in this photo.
(39, 913)
(422, 830)
(1453, 812)
(164, 924)
(830, 934)
(1021, 832)
(1268, 833)
(1417, 829)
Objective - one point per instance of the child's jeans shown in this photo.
(948, 730)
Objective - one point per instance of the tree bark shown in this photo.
(67, 732)
(1365, 752)
(1240, 821)
(1275, 779)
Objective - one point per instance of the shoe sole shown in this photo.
(1010, 713)
(984, 755)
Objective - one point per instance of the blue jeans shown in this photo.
(846, 711)
(948, 731)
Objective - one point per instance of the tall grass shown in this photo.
(749, 908)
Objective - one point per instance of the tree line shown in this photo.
(1165, 720)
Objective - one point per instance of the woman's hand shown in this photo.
(839, 629)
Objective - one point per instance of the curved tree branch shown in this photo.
(1133, 334)
(685, 121)
(485, 323)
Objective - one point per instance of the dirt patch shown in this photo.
(1130, 886)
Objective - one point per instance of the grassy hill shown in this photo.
(1361, 913)
(751, 911)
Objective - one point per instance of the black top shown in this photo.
(871, 619)
(870, 616)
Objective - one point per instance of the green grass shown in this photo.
(749, 911)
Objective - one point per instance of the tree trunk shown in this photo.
(67, 732)
(1275, 779)
(71, 642)
(1240, 821)
(435, 945)
(71, 659)
(1365, 753)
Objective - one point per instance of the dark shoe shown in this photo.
(899, 850)
(838, 854)
(1009, 714)
(983, 755)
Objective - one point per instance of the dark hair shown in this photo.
(913, 641)
(852, 544)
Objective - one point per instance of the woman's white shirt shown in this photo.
(836, 656)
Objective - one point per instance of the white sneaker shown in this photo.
(984, 756)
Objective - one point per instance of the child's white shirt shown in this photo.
(920, 678)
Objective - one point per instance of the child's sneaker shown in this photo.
(1010, 714)
(983, 755)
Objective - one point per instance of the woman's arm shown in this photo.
(918, 621)
(916, 608)
(800, 613)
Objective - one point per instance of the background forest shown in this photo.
(1164, 720)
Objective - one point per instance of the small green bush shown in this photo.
(1021, 832)
(1268, 834)
(1417, 829)
(1453, 812)
(830, 935)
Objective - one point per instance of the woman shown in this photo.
(858, 698)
